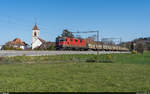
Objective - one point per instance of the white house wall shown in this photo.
(22, 47)
(1, 47)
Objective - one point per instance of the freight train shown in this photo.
(66, 43)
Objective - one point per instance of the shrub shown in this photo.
(134, 52)
(107, 58)
(1, 58)
(100, 58)
(18, 49)
(36, 48)
(51, 48)
(91, 59)
(6, 47)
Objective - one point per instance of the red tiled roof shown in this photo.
(16, 41)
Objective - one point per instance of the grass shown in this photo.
(64, 73)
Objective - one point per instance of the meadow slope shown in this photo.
(127, 73)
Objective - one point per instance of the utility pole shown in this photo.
(97, 42)
(120, 40)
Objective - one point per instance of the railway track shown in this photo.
(40, 53)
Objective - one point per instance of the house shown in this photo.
(36, 40)
(1, 47)
(17, 43)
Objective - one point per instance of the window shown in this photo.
(76, 40)
(34, 33)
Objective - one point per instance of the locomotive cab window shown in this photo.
(62, 39)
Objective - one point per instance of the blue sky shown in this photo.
(128, 19)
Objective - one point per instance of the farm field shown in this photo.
(75, 73)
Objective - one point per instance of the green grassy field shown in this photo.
(71, 73)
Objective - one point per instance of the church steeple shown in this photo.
(35, 27)
(36, 40)
(35, 33)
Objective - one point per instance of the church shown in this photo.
(36, 40)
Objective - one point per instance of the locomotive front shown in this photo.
(66, 43)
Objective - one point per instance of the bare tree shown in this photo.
(140, 47)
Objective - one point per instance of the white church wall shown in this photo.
(35, 35)
(34, 39)
(36, 43)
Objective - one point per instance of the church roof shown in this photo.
(46, 45)
(35, 27)
(43, 41)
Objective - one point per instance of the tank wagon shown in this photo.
(66, 43)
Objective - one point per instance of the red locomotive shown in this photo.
(66, 43)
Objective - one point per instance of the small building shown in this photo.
(17, 43)
(1, 47)
(36, 40)
(47, 46)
